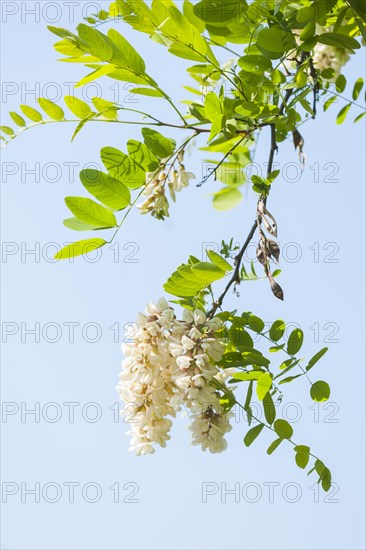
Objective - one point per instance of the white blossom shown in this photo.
(157, 204)
(323, 56)
(170, 365)
(329, 57)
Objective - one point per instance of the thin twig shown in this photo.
(235, 278)
(214, 170)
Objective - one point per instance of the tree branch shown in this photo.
(235, 278)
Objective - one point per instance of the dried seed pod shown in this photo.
(266, 224)
(276, 289)
(273, 249)
(298, 139)
(261, 255)
(299, 144)
(261, 207)
(273, 230)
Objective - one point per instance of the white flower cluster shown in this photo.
(329, 57)
(324, 57)
(169, 366)
(156, 203)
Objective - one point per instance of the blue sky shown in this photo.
(180, 491)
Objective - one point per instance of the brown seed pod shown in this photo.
(261, 255)
(273, 249)
(261, 207)
(276, 289)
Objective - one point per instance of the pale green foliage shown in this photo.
(277, 74)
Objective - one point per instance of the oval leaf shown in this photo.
(252, 434)
(283, 429)
(79, 248)
(295, 341)
(31, 113)
(90, 212)
(111, 192)
(277, 330)
(263, 385)
(51, 109)
(78, 107)
(320, 391)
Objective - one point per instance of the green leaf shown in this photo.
(338, 40)
(289, 379)
(126, 75)
(341, 83)
(247, 376)
(319, 467)
(78, 107)
(109, 109)
(316, 358)
(275, 349)
(31, 113)
(51, 109)
(326, 479)
(111, 192)
(227, 198)
(275, 40)
(19, 121)
(273, 446)
(219, 260)
(132, 59)
(308, 31)
(269, 408)
(295, 341)
(185, 52)
(213, 106)
(320, 391)
(264, 384)
(359, 117)
(71, 50)
(91, 212)
(247, 402)
(254, 357)
(219, 11)
(81, 125)
(141, 154)
(146, 91)
(302, 449)
(7, 130)
(189, 279)
(357, 88)
(255, 63)
(253, 322)
(252, 434)
(341, 117)
(123, 167)
(78, 248)
(283, 429)
(277, 330)
(77, 225)
(97, 43)
(104, 70)
(302, 459)
(216, 127)
(161, 146)
(64, 33)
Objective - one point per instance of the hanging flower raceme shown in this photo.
(170, 365)
(323, 56)
(329, 57)
(156, 202)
